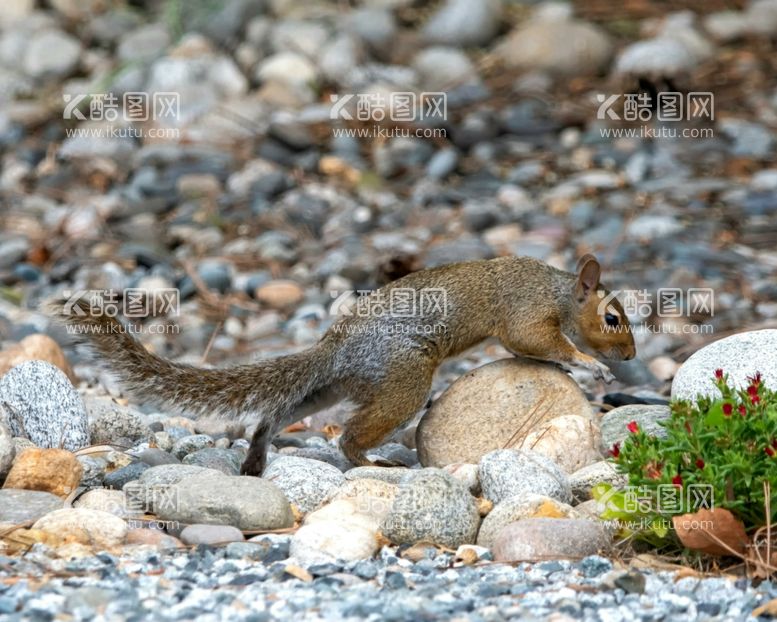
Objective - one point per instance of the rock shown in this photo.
(467, 474)
(280, 294)
(648, 416)
(50, 470)
(443, 68)
(51, 54)
(370, 496)
(493, 406)
(111, 501)
(337, 531)
(517, 508)
(433, 507)
(443, 163)
(395, 453)
(461, 22)
(675, 51)
(340, 58)
(507, 473)
(143, 44)
(291, 70)
(152, 537)
(153, 456)
(189, 444)
(210, 534)
(602, 472)
(112, 421)
(35, 348)
(38, 402)
(325, 453)
(90, 527)
(391, 475)
(248, 503)
(20, 506)
(571, 441)
(227, 461)
(7, 450)
(551, 40)
(739, 356)
(539, 539)
(306, 483)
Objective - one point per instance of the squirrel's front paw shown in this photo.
(602, 372)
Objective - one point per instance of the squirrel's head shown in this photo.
(603, 324)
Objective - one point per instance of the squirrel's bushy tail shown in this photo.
(269, 389)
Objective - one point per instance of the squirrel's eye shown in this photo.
(612, 320)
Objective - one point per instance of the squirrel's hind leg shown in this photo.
(257, 452)
(400, 395)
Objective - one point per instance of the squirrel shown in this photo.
(381, 360)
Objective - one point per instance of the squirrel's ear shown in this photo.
(588, 272)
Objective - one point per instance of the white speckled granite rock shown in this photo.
(739, 355)
(305, 482)
(38, 402)
(507, 473)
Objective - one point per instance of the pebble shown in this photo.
(517, 508)
(35, 348)
(51, 470)
(306, 483)
(614, 422)
(86, 526)
(506, 473)
(210, 534)
(537, 539)
(20, 506)
(39, 403)
(112, 422)
(7, 450)
(432, 506)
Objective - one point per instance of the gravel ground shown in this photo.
(213, 584)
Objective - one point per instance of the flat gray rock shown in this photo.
(248, 503)
(20, 506)
(111, 421)
(539, 539)
(38, 402)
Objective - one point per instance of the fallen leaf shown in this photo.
(767, 609)
(715, 532)
(298, 572)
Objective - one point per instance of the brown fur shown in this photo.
(383, 363)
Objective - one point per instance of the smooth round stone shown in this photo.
(739, 356)
(434, 507)
(112, 421)
(39, 403)
(189, 444)
(495, 406)
(517, 508)
(90, 527)
(648, 416)
(20, 506)
(227, 461)
(507, 473)
(210, 534)
(116, 479)
(7, 450)
(539, 539)
(153, 456)
(306, 483)
(391, 475)
(248, 503)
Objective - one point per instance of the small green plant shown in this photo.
(725, 445)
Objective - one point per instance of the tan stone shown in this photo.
(280, 294)
(92, 527)
(571, 441)
(152, 537)
(493, 407)
(57, 471)
(36, 348)
(517, 508)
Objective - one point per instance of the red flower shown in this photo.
(755, 399)
(699, 463)
(774, 443)
(677, 480)
(633, 427)
(769, 452)
(742, 410)
(616, 450)
(688, 427)
(755, 381)
(752, 389)
(719, 374)
(727, 409)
